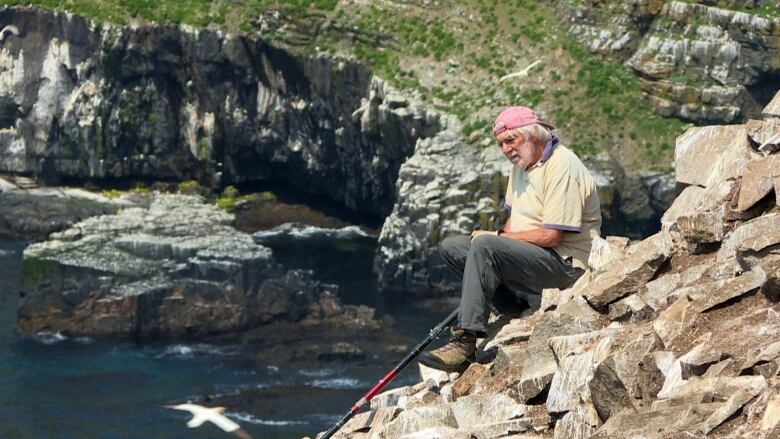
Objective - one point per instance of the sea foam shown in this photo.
(296, 230)
(249, 419)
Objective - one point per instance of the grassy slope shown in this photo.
(450, 54)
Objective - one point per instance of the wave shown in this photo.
(319, 373)
(51, 337)
(249, 419)
(189, 351)
(337, 383)
(5, 253)
(296, 230)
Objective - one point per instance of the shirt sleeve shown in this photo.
(562, 201)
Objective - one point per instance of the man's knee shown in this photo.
(454, 247)
(484, 245)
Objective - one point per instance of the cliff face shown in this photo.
(89, 101)
(674, 336)
(695, 60)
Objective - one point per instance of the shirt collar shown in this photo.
(549, 148)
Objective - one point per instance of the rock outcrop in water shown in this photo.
(35, 213)
(448, 188)
(178, 268)
(696, 60)
(675, 336)
(85, 100)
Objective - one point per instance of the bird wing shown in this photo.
(523, 72)
(223, 422)
(197, 420)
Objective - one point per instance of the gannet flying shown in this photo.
(523, 72)
(214, 415)
(10, 29)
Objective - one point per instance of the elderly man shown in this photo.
(545, 243)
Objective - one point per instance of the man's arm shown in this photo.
(548, 238)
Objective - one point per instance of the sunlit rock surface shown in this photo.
(705, 61)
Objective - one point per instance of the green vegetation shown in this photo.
(227, 201)
(36, 270)
(190, 187)
(765, 8)
(449, 54)
(112, 193)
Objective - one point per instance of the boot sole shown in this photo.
(434, 364)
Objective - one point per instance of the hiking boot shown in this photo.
(455, 356)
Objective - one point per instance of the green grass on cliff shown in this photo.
(450, 54)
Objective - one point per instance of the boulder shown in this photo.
(604, 252)
(517, 330)
(503, 380)
(631, 309)
(727, 290)
(703, 219)
(635, 270)
(435, 376)
(751, 236)
(663, 291)
(416, 420)
(656, 423)
(365, 421)
(771, 416)
(466, 381)
(539, 367)
(675, 320)
(396, 397)
(708, 155)
(502, 429)
(772, 111)
(474, 410)
(579, 423)
(435, 433)
(758, 180)
(608, 394)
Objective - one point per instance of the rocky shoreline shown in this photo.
(177, 268)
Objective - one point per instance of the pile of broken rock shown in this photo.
(674, 336)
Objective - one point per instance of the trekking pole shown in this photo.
(435, 332)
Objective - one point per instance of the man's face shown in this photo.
(516, 150)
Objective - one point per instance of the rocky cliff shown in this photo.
(674, 336)
(85, 100)
(146, 272)
(704, 61)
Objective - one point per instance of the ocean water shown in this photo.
(57, 387)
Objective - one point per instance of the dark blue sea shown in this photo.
(57, 387)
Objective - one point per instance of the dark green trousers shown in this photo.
(489, 261)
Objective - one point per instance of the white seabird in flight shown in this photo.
(521, 73)
(214, 415)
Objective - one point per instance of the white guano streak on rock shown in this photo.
(52, 89)
(11, 74)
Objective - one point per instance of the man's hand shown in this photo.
(476, 233)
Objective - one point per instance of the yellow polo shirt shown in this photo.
(557, 193)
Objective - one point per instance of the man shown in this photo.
(545, 243)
